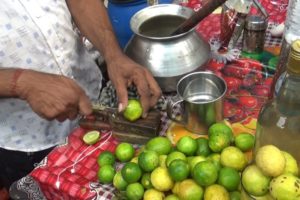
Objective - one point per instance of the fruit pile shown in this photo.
(273, 175)
(247, 87)
(201, 168)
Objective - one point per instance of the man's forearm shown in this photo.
(6, 82)
(91, 18)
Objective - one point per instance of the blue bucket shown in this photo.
(120, 13)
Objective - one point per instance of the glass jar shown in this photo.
(291, 33)
(254, 34)
(274, 171)
(279, 120)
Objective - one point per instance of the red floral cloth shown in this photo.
(210, 27)
(70, 170)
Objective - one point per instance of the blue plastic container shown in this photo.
(120, 13)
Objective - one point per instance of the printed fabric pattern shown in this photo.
(40, 35)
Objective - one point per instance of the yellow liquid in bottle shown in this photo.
(279, 120)
(279, 130)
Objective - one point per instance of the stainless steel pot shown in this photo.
(168, 57)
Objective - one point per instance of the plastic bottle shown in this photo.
(279, 120)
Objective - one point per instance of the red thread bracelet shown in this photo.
(16, 76)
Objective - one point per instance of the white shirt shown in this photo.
(39, 35)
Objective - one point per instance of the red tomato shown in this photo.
(232, 82)
(249, 102)
(261, 90)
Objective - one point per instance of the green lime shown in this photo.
(179, 170)
(233, 157)
(161, 145)
(124, 152)
(215, 158)
(106, 158)
(119, 181)
(148, 160)
(235, 195)
(176, 187)
(221, 128)
(254, 181)
(172, 197)
(135, 159)
(91, 137)
(153, 194)
(194, 160)
(214, 192)
(162, 160)
(175, 155)
(135, 191)
(244, 141)
(205, 173)
(106, 174)
(229, 178)
(187, 145)
(133, 110)
(218, 141)
(131, 172)
(203, 148)
(190, 190)
(161, 180)
(146, 181)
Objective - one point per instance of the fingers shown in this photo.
(121, 89)
(154, 88)
(145, 95)
(148, 90)
(84, 105)
(71, 114)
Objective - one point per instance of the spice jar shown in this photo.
(254, 34)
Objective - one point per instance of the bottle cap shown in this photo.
(295, 49)
(256, 23)
(294, 58)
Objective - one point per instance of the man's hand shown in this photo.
(123, 72)
(53, 96)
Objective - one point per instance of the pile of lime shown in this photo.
(195, 168)
(273, 175)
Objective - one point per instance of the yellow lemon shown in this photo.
(270, 160)
(161, 179)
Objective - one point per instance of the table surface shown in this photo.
(28, 188)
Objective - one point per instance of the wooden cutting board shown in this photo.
(138, 132)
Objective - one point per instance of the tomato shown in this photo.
(232, 82)
(261, 90)
(248, 101)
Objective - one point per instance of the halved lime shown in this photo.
(91, 137)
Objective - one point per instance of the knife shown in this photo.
(107, 118)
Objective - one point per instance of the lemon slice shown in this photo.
(91, 137)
